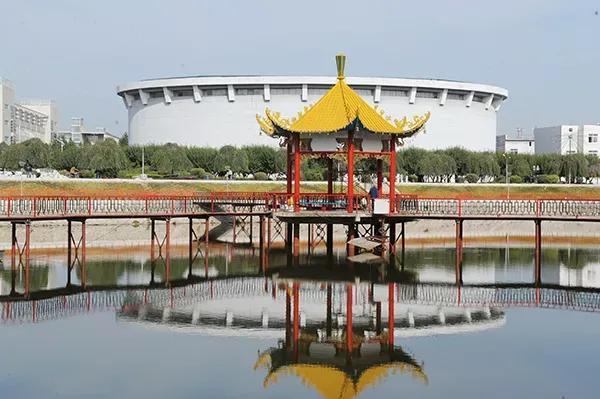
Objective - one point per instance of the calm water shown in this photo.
(127, 335)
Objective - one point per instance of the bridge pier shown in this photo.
(329, 241)
(74, 247)
(391, 300)
(459, 251)
(165, 243)
(349, 333)
(538, 252)
(194, 237)
(296, 294)
(20, 254)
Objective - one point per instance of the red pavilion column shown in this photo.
(350, 193)
(289, 167)
(296, 172)
(392, 174)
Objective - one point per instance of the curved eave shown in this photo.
(273, 127)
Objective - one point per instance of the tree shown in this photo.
(574, 167)
(202, 157)
(124, 140)
(461, 158)
(106, 158)
(35, 153)
(170, 159)
(66, 156)
(262, 158)
(231, 158)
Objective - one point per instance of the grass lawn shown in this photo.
(118, 187)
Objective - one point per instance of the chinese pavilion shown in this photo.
(337, 363)
(340, 125)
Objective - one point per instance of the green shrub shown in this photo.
(198, 172)
(514, 179)
(260, 176)
(460, 179)
(413, 178)
(548, 179)
(471, 178)
(87, 174)
(312, 174)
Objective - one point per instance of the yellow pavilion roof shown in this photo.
(340, 108)
(331, 382)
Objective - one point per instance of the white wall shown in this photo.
(7, 97)
(589, 137)
(47, 108)
(219, 120)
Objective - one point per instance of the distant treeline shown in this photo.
(110, 159)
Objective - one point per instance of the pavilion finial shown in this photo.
(340, 62)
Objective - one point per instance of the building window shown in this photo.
(514, 151)
(248, 92)
(593, 152)
(394, 93)
(530, 143)
(570, 152)
(285, 91)
(455, 96)
(214, 92)
(593, 138)
(427, 94)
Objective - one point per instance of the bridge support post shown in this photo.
(391, 299)
(296, 243)
(76, 251)
(392, 238)
(328, 323)
(459, 251)
(296, 294)
(167, 251)
(351, 235)
(329, 241)
(289, 232)
(27, 255)
(261, 243)
(251, 226)
(538, 252)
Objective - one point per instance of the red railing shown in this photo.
(242, 202)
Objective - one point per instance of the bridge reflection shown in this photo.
(206, 292)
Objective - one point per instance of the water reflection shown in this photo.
(340, 329)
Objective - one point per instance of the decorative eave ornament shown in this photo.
(338, 110)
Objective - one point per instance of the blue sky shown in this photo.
(546, 53)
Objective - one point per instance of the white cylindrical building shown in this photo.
(220, 110)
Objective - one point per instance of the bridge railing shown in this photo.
(527, 208)
(202, 203)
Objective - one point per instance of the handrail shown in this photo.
(406, 204)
